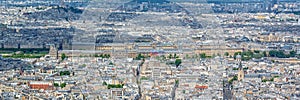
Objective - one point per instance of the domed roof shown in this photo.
(238, 57)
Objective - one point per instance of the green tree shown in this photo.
(195, 56)
(187, 56)
(64, 73)
(264, 80)
(144, 78)
(140, 57)
(104, 83)
(106, 56)
(109, 86)
(62, 85)
(177, 62)
(56, 84)
(265, 54)
(163, 57)
(293, 53)
(218, 54)
(119, 86)
(175, 56)
(235, 68)
(235, 78)
(63, 56)
(214, 55)
(279, 54)
(176, 81)
(170, 56)
(257, 56)
(203, 55)
(273, 53)
(226, 54)
(256, 51)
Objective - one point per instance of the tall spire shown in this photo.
(240, 65)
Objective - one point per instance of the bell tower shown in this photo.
(241, 70)
(53, 52)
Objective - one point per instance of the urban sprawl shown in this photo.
(150, 49)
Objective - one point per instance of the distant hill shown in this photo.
(153, 6)
(152, 1)
(56, 13)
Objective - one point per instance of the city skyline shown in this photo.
(149, 49)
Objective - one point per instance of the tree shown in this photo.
(292, 53)
(62, 85)
(119, 86)
(106, 56)
(203, 55)
(56, 84)
(144, 78)
(109, 86)
(218, 54)
(139, 57)
(64, 73)
(265, 54)
(264, 80)
(257, 56)
(235, 78)
(177, 62)
(235, 68)
(176, 81)
(170, 56)
(195, 56)
(187, 56)
(256, 51)
(272, 53)
(279, 54)
(175, 56)
(214, 55)
(63, 56)
(104, 83)
(163, 57)
(226, 54)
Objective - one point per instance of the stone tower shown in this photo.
(53, 52)
(241, 70)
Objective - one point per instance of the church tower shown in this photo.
(53, 52)
(241, 70)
